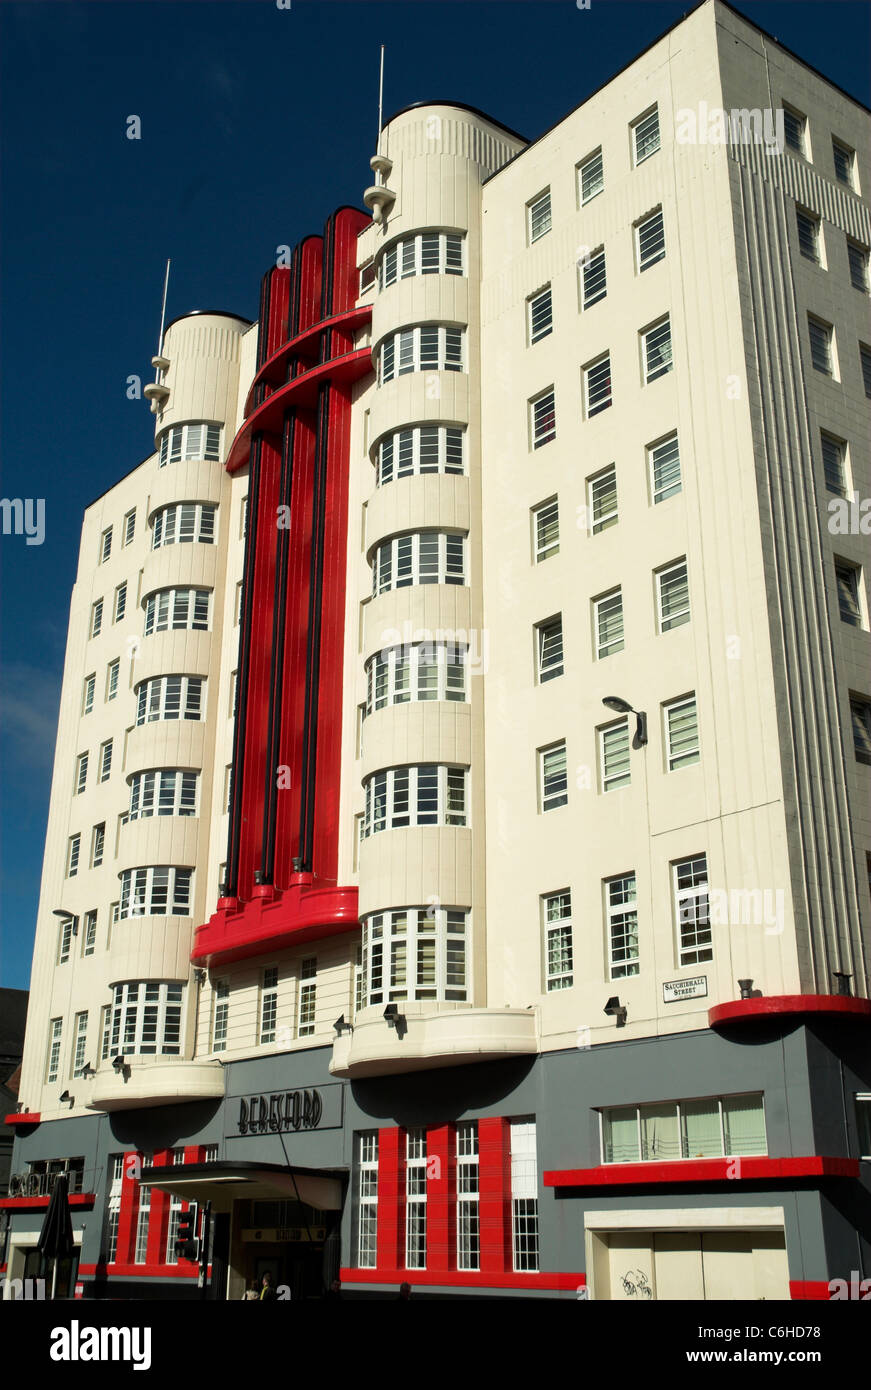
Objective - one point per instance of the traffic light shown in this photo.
(187, 1246)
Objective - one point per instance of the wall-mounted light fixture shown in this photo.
(614, 1009)
(622, 706)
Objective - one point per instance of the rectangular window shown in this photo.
(664, 463)
(73, 847)
(538, 215)
(81, 773)
(98, 844)
(650, 240)
(645, 135)
(602, 500)
(96, 617)
(834, 463)
(415, 1199)
(143, 1217)
(545, 530)
(307, 996)
(820, 335)
(597, 386)
(88, 693)
(865, 363)
(89, 943)
(367, 1229)
(716, 1127)
(808, 228)
(129, 526)
(105, 760)
(268, 1004)
(591, 177)
(691, 910)
(524, 1195)
(222, 1010)
(553, 780)
(845, 162)
(539, 309)
(80, 1043)
(105, 545)
(673, 596)
(656, 351)
(52, 1070)
(863, 1125)
(614, 756)
(595, 281)
(64, 941)
(549, 649)
(860, 712)
(858, 258)
(543, 419)
(468, 1197)
(794, 128)
(113, 671)
(681, 733)
(622, 916)
(120, 602)
(557, 918)
(608, 624)
(848, 578)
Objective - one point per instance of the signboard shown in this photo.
(279, 1235)
(283, 1112)
(695, 987)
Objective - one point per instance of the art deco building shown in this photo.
(457, 868)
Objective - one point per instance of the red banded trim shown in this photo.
(298, 914)
(704, 1170)
(23, 1117)
(305, 344)
(809, 1288)
(781, 1005)
(463, 1278)
(185, 1269)
(85, 1200)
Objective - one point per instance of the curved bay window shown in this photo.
(421, 449)
(182, 523)
(169, 697)
(176, 610)
(428, 348)
(146, 1018)
(425, 253)
(155, 892)
(429, 794)
(415, 953)
(424, 671)
(163, 792)
(197, 440)
(421, 557)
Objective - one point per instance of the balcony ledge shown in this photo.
(433, 1036)
(156, 1083)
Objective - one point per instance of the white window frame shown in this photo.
(556, 920)
(105, 545)
(80, 1043)
(267, 1013)
(545, 530)
(652, 225)
(113, 673)
(88, 692)
(419, 953)
(120, 609)
(421, 449)
(665, 452)
(184, 523)
(98, 844)
(415, 1198)
(89, 935)
(860, 719)
(644, 142)
(426, 347)
(422, 672)
(692, 913)
(178, 610)
(600, 369)
(539, 216)
(667, 623)
(419, 557)
(96, 617)
(163, 791)
(156, 890)
(807, 228)
(549, 649)
(657, 350)
(638, 1155)
(847, 160)
(197, 439)
(677, 756)
(65, 939)
(539, 315)
(129, 527)
(857, 256)
(602, 516)
(549, 770)
(604, 608)
(614, 756)
(590, 163)
(524, 1195)
(147, 1018)
(81, 779)
(821, 337)
(307, 1003)
(468, 1195)
(153, 702)
(799, 145)
(220, 1015)
(834, 457)
(53, 1053)
(106, 760)
(423, 253)
(594, 278)
(367, 1198)
(74, 844)
(441, 799)
(542, 418)
(622, 931)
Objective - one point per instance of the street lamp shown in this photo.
(623, 707)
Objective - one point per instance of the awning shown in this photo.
(224, 1182)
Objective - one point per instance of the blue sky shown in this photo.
(256, 123)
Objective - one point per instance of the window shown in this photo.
(710, 1128)
(105, 545)
(176, 1206)
(673, 593)
(243, 518)
(691, 910)
(268, 1004)
(820, 335)
(89, 943)
(426, 253)
(524, 1195)
(120, 602)
(177, 610)
(307, 996)
(545, 530)
(55, 1030)
(664, 462)
(367, 276)
(614, 756)
(81, 773)
(425, 671)
(428, 794)
(163, 792)
(808, 234)
(415, 1199)
(845, 162)
(146, 1018)
(597, 386)
(608, 624)
(858, 258)
(113, 671)
(129, 526)
(96, 617)
(105, 1031)
(169, 697)
(602, 500)
(542, 410)
(228, 789)
(681, 733)
(865, 362)
(539, 309)
(220, 1016)
(863, 1125)
(794, 128)
(80, 1043)
(88, 693)
(105, 760)
(860, 711)
(834, 463)
(591, 177)
(182, 523)
(645, 135)
(421, 557)
(538, 216)
(847, 578)
(113, 1206)
(549, 650)
(194, 441)
(595, 283)
(430, 348)
(234, 693)
(143, 1217)
(74, 845)
(650, 240)
(98, 844)
(468, 1200)
(237, 611)
(367, 1229)
(553, 781)
(155, 892)
(656, 351)
(423, 449)
(622, 918)
(556, 911)
(415, 953)
(359, 973)
(64, 941)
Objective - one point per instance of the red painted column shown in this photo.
(440, 1249)
(158, 1221)
(391, 1199)
(494, 1178)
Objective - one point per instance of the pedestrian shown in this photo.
(267, 1293)
(334, 1292)
(404, 1293)
(251, 1294)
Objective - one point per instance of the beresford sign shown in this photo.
(280, 1111)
